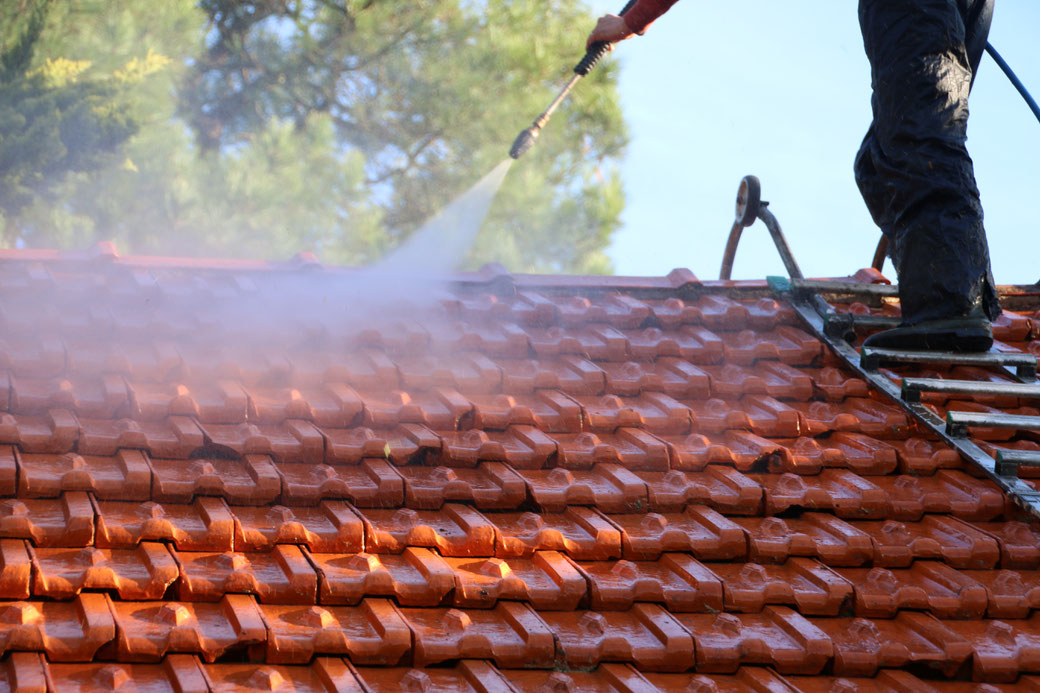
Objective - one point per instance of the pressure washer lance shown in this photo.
(525, 140)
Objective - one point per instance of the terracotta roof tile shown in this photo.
(205, 525)
(415, 577)
(778, 637)
(511, 635)
(148, 631)
(372, 633)
(331, 526)
(526, 482)
(324, 675)
(675, 580)
(142, 573)
(176, 674)
(547, 581)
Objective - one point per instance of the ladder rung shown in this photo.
(913, 387)
(1024, 364)
(1008, 461)
(822, 286)
(958, 422)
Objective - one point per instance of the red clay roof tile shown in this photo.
(372, 633)
(415, 577)
(332, 526)
(205, 525)
(144, 572)
(281, 576)
(176, 674)
(148, 631)
(675, 580)
(323, 675)
(511, 635)
(547, 581)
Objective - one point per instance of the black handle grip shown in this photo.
(595, 52)
(598, 49)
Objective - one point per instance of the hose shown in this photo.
(1014, 80)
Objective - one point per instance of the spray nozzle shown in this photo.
(524, 141)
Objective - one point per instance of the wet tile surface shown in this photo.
(604, 485)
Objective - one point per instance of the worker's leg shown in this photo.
(913, 168)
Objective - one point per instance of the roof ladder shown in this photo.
(838, 330)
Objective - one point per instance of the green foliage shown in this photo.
(267, 127)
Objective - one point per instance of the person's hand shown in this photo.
(611, 29)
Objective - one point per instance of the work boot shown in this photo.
(967, 333)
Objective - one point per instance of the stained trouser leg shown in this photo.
(913, 168)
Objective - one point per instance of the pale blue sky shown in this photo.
(716, 90)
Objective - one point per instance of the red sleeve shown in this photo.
(644, 12)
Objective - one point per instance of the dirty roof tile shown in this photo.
(719, 487)
(581, 533)
(609, 487)
(787, 344)
(491, 486)
(205, 525)
(646, 636)
(838, 491)
(280, 576)
(222, 401)
(1010, 593)
(293, 440)
(68, 521)
(440, 409)
(672, 376)
(699, 530)
(371, 484)
(898, 544)
(853, 451)
(371, 633)
(57, 431)
(924, 586)
(570, 373)
(745, 680)
(862, 646)
(631, 448)
(547, 410)
(675, 580)
(547, 581)
(100, 397)
(691, 343)
(813, 535)
(804, 584)
(176, 674)
(778, 637)
(1003, 649)
(741, 449)
(399, 445)
(253, 480)
(330, 527)
(653, 411)
(606, 678)
(415, 577)
(70, 631)
(454, 530)
(144, 572)
(124, 476)
(173, 438)
(768, 378)
(523, 447)
(323, 675)
(511, 635)
(148, 631)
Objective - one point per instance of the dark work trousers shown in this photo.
(913, 168)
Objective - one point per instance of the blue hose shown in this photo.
(1014, 79)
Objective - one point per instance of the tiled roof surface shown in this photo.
(530, 483)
